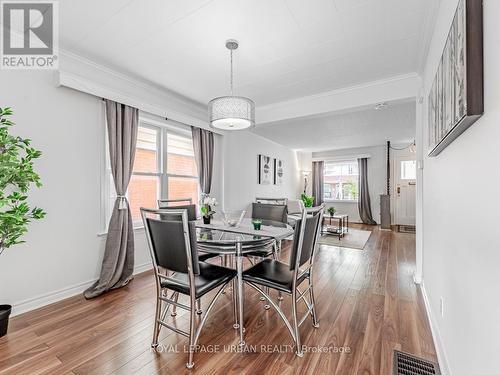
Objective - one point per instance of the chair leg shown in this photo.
(192, 311)
(224, 263)
(174, 308)
(235, 305)
(156, 330)
(199, 311)
(266, 290)
(313, 303)
(295, 324)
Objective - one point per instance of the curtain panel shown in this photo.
(203, 144)
(318, 182)
(364, 204)
(118, 261)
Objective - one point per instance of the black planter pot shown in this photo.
(207, 219)
(5, 311)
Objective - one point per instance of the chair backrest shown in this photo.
(164, 203)
(273, 212)
(305, 237)
(171, 239)
(176, 204)
(279, 201)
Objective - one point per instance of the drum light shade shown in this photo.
(231, 113)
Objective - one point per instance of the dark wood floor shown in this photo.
(366, 301)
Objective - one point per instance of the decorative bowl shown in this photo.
(233, 218)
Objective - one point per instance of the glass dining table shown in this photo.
(217, 238)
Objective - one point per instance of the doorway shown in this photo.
(405, 189)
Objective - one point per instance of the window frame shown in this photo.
(340, 162)
(162, 173)
(167, 174)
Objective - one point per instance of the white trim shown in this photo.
(79, 73)
(64, 293)
(436, 337)
(390, 89)
(342, 158)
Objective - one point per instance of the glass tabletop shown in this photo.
(218, 233)
(223, 237)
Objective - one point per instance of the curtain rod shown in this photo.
(166, 118)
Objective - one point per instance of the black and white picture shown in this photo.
(265, 169)
(455, 99)
(278, 171)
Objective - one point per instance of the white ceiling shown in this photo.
(288, 48)
(360, 128)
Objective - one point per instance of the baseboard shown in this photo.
(143, 268)
(58, 295)
(436, 337)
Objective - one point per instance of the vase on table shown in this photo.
(207, 219)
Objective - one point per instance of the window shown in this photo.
(408, 170)
(164, 167)
(182, 177)
(341, 181)
(144, 186)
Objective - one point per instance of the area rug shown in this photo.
(354, 239)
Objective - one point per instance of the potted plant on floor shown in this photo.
(16, 177)
(207, 208)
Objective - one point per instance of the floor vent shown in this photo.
(406, 228)
(406, 364)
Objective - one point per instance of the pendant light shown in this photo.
(231, 112)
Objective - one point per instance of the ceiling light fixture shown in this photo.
(231, 112)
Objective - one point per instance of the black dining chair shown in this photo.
(269, 211)
(164, 204)
(287, 278)
(188, 203)
(278, 201)
(172, 243)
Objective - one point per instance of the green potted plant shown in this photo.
(207, 208)
(16, 177)
(331, 210)
(308, 200)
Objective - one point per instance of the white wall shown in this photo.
(305, 164)
(240, 170)
(377, 167)
(460, 246)
(62, 254)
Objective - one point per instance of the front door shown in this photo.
(405, 183)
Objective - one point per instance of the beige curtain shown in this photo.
(118, 261)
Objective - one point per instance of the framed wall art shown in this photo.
(265, 170)
(455, 100)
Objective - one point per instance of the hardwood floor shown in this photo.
(366, 301)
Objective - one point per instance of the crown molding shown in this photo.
(389, 89)
(82, 74)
